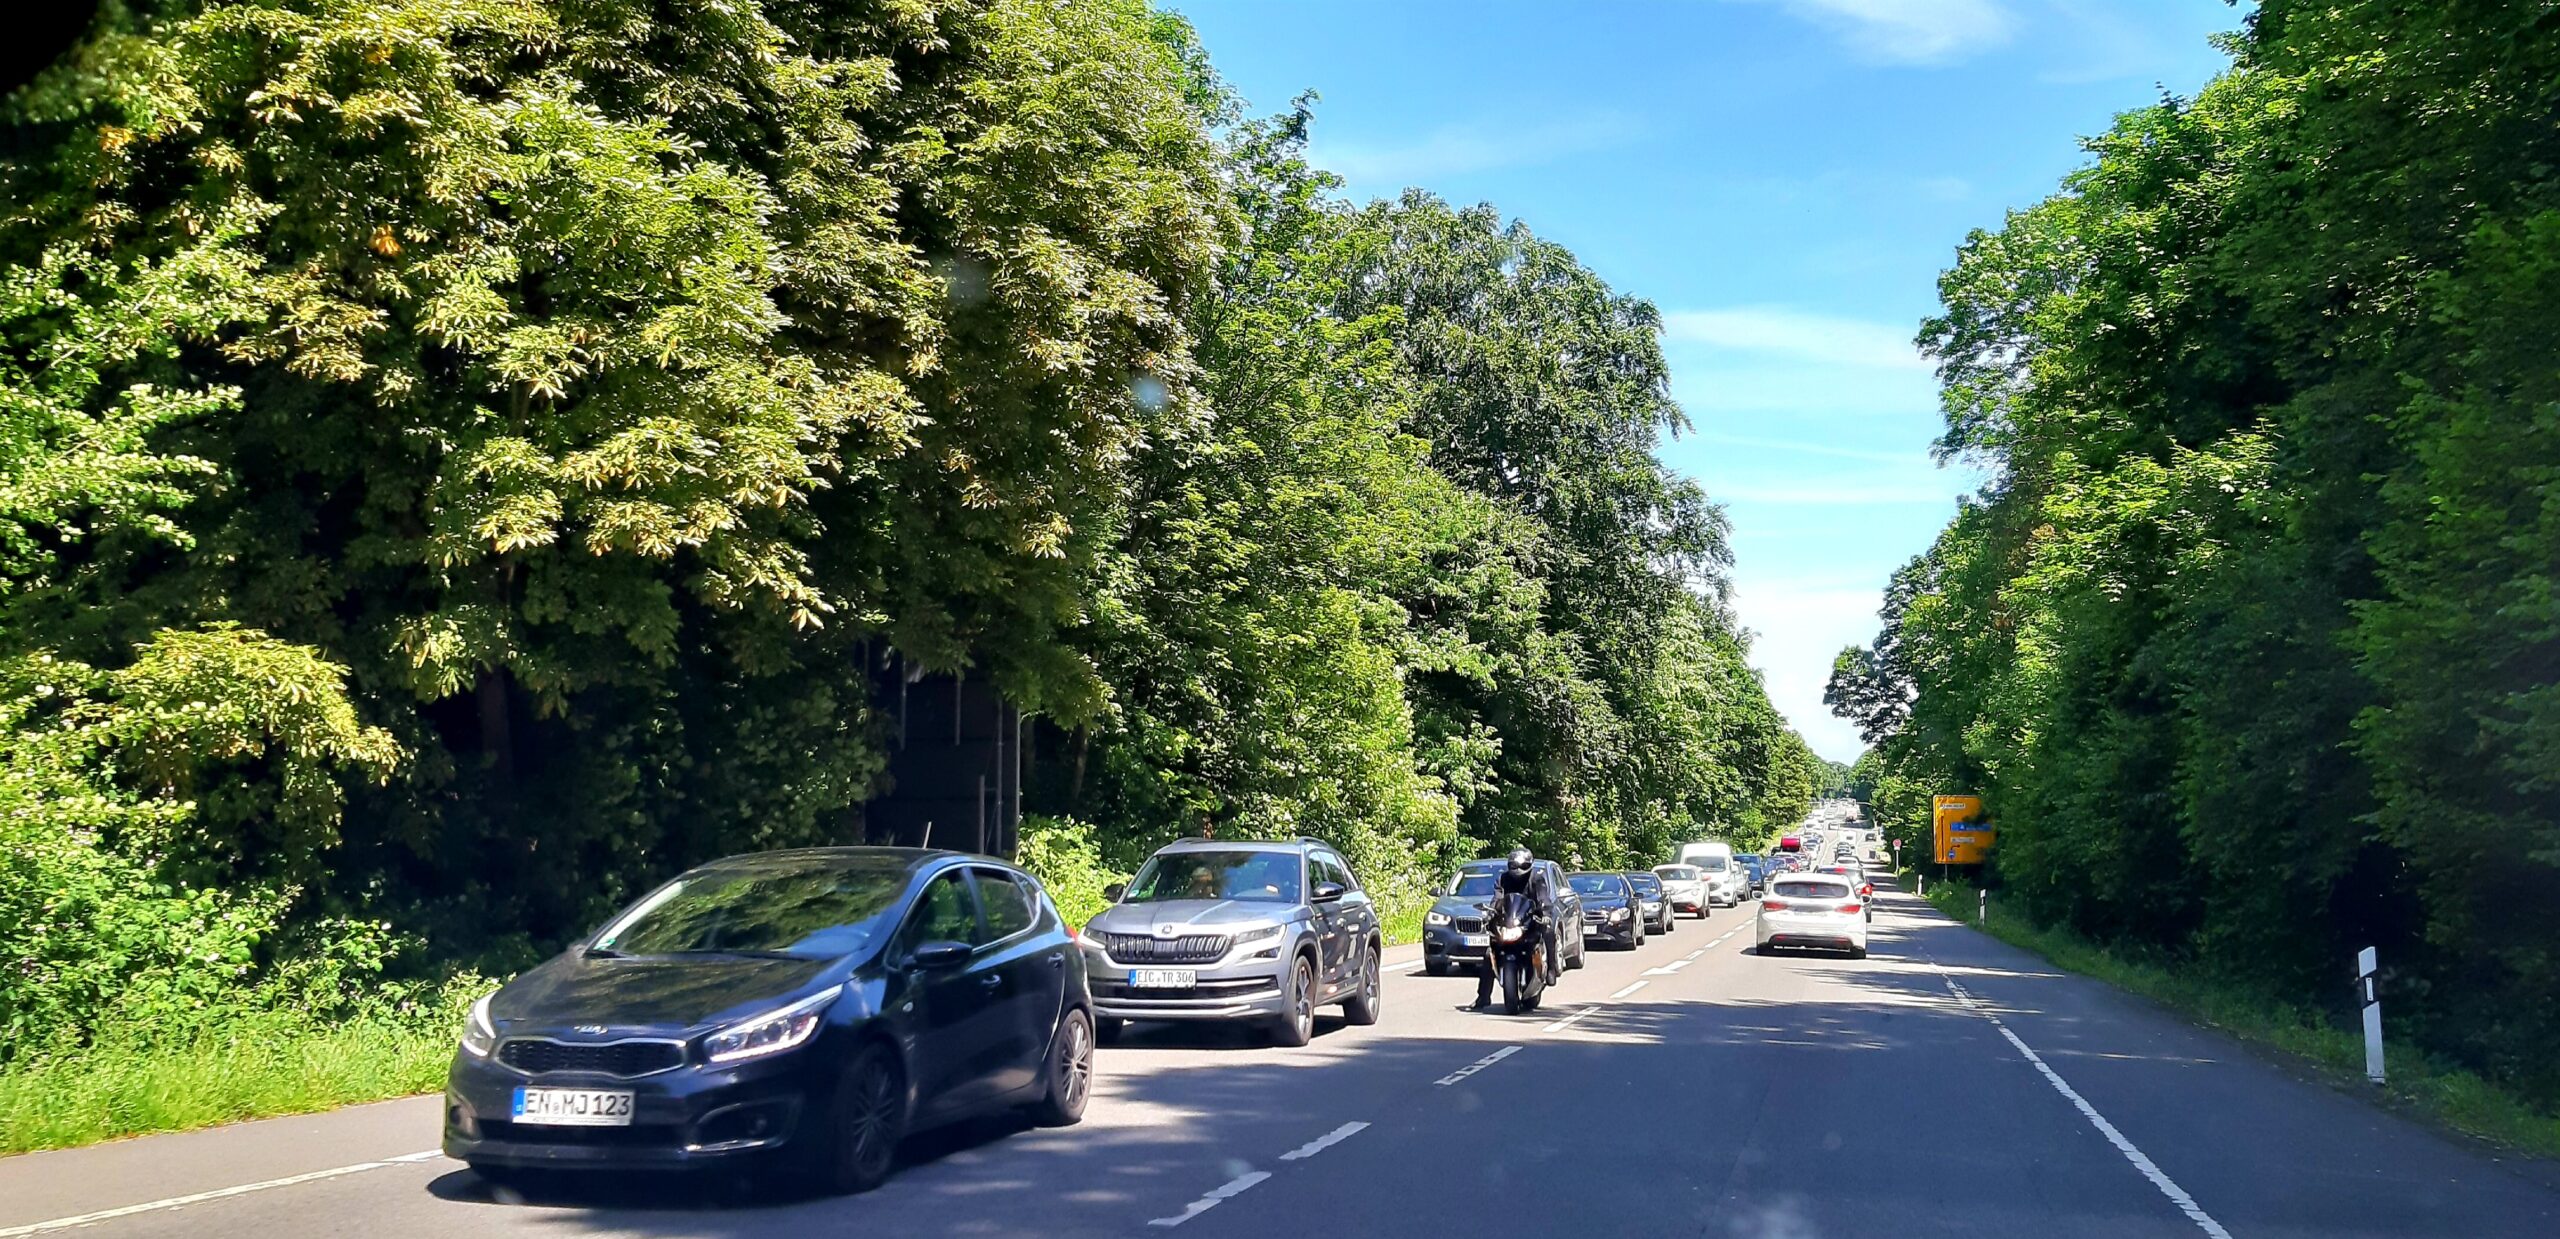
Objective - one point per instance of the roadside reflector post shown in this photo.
(2369, 997)
(1920, 885)
(1981, 907)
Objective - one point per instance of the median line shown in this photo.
(197, 1198)
(1323, 1142)
(1217, 1196)
(1631, 989)
(1478, 1065)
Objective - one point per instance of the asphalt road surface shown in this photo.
(1947, 1085)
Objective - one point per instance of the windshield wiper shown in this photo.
(740, 954)
(603, 952)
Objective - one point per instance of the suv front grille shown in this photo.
(1467, 924)
(539, 1056)
(1188, 949)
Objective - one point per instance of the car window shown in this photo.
(798, 905)
(1010, 906)
(1810, 890)
(944, 912)
(1598, 883)
(1253, 874)
(1473, 882)
(1331, 869)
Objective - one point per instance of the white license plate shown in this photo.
(1163, 978)
(573, 1107)
(1472, 939)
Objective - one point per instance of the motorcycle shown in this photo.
(1519, 953)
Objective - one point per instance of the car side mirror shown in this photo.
(934, 955)
(1115, 890)
(1327, 892)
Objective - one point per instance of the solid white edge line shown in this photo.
(2141, 1161)
(197, 1198)
(1323, 1142)
(1217, 1196)
(1631, 989)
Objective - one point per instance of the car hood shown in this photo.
(1208, 915)
(649, 993)
(1604, 901)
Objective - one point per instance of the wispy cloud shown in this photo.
(1918, 32)
(1799, 334)
(1455, 149)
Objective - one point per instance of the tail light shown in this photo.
(1773, 905)
(1850, 908)
(1867, 891)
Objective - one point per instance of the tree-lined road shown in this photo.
(1948, 1085)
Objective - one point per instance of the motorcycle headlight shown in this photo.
(1257, 935)
(479, 1035)
(1435, 918)
(770, 1033)
(1617, 914)
(1508, 933)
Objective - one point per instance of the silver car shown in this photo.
(1213, 930)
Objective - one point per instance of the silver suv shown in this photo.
(1213, 930)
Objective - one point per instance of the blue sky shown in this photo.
(1784, 178)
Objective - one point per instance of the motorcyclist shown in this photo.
(1523, 876)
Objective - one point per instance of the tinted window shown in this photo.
(1800, 889)
(1010, 907)
(944, 913)
(793, 904)
(1645, 883)
(1265, 877)
(1331, 869)
(1598, 883)
(1678, 873)
(1473, 882)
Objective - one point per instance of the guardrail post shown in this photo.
(2369, 996)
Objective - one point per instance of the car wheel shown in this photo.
(1297, 1024)
(871, 1117)
(1435, 967)
(1635, 936)
(1581, 950)
(1070, 1072)
(1857, 952)
(1362, 1008)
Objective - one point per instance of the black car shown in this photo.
(806, 1007)
(1609, 908)
(1453, 928)
(1651, 900)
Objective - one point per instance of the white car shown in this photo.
(1685, 887)
(1813, 910)
(1727, 882)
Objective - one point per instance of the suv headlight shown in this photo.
(479, 1035)
(772, 1032)
(1435, 918)
(1617, 914)
(1257, 935)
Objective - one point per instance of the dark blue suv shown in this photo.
(1453, 930)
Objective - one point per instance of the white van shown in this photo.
(1726, 883)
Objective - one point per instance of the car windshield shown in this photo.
(1645, 883)
(1474, 883)
(1712, 864)
(813, 906)
(1260, 876)
(1748, 859)
(1598, 883)
(1677, 873)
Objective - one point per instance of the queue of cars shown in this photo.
(810, 1008)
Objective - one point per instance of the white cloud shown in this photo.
(1797, 334)
(1909, 31)
(1455, 149)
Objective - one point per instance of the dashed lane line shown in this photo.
(1217, 1196)
(1323, 1142)
(1478, 1065)
(1570, 1020)
(2141, 1161)
(197, 1198)
(1630, 989)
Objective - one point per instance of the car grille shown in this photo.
(1467, 924)
(1188, 949)
(636, 1136)
(1248, 987)
(539, 1056)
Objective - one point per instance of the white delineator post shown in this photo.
(2370, 997)
(1981, 907)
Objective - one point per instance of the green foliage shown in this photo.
(2250, 645)
(1064, 855)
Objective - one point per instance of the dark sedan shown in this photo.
(1609, 907)
(807, 1008)
(1652, 901)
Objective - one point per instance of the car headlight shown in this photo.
(1617, 914)
(1435, 918)
(479, 1035)
(1257, 935)
(772, 1032)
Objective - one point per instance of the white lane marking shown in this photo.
(2141, 1161)
(197, 1198)
(1478, 1065)
(1323, 1142)
(1570, 1020)
(1692, 956)
(1631, 989)
(1669, 968)
(1216, 1196)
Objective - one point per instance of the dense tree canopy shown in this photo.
(460, 459)
(2250, 644)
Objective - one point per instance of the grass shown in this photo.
(259, 1066)
(2440, 1092)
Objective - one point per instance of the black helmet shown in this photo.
(1520, 859)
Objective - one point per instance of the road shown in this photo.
(1947, 1085)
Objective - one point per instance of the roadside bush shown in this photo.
(1063, 853)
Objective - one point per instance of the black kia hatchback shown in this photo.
(803, 1007)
